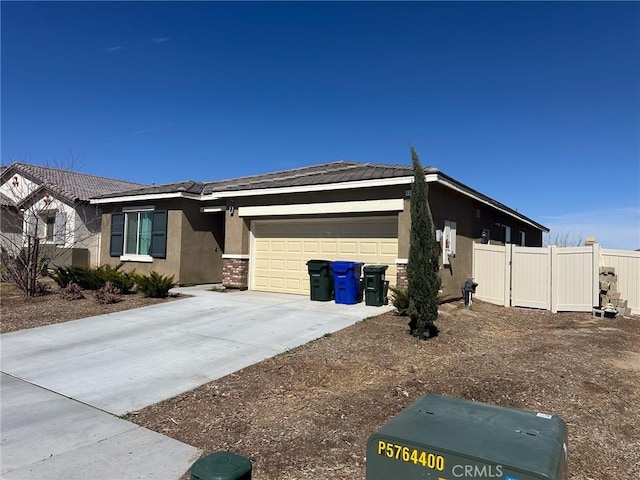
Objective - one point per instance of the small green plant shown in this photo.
(72, 292)
(125, 281)
(155, 285)
(109, 293)
(93, 279)
(400, 300)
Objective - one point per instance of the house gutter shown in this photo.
(147, 196)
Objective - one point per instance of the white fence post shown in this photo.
(554, 279)
(596, 275)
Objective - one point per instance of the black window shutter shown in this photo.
(116, 247)
(159, 234)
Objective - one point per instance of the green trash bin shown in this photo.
(320, 280)
(441, 437)
(222, 466)
(375, 286)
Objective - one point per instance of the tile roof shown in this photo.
(68, 184)
(187, 186)
(6, 201)
(335, 172)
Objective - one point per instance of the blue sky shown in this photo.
(536, 104)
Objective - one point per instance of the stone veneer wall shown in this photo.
(401, 276)
(235, 273)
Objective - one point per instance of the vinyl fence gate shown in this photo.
(553, 278)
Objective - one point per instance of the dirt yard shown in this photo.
(307, 414)
(19, 313)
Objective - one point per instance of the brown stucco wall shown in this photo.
(471, 218)
(236, 234)
(202, 245)
(195, 242)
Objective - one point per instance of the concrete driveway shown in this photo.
(122, 362)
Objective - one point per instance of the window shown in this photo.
(139, 234)
(51, 224)
(55, 228)
(522, 239)
(506, 234)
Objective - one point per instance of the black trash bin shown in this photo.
(320, 280)
(375, 286)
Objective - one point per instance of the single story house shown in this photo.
(259, 231)
(52, 205)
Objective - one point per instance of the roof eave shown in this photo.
(143, 197)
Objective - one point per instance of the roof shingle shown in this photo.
(69, 184)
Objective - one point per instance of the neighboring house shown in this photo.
(53, 205)
(258, 232)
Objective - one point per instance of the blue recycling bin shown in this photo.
(346, 281)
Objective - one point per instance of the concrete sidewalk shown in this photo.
(125, 361)
(48, 436)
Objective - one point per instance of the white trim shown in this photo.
(148, 196)
(141, 208)
(402, 261)
(128, 257)
(215, 209)
(236, 256)
(252, 253)
(380, 182)
(391, 205)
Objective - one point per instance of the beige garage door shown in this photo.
(281, 249)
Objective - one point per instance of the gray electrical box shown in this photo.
(447, 438)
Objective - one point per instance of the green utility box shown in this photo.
(445, 438)
(222, 466)
(375, 287)
(320, 280)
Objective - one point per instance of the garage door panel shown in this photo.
(294, 266)
(369, 248)
(311, 247)
(261, 282)
(348, 247)
(277, 264)
(389, 248)
(294, 246)
(282, 249)
(261, 263)
(262, 245)
(329, 247)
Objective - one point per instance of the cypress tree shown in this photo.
(422, 268)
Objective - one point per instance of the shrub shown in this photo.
(125, 281)
(423, 272)
(155, 285)
(400, 300)
(109, 293)
(84, 277)
(72, 292)
(93, 279)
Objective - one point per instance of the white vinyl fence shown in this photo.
(553, 278)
